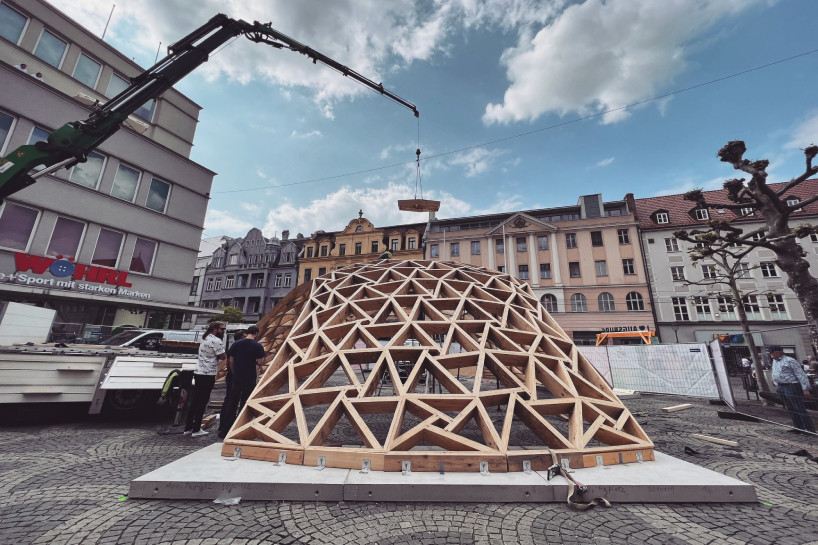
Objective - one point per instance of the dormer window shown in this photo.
(661, 217)
(749, 211)
(233, 259)
(701, 214)
(793, 201)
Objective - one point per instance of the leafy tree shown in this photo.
(776, 235)
(229, 315)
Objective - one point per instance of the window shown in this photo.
(501, 248)
(523, 272)
(12, 24)
(777, 309)
(308, 273)
(359, 228)
(680, 309)
(146, 110)
(749, 211)
(16, 226)
(627, 266)
(703, 312)
(322, 271)
(596, 238)
(309, 251)
(87, 71)
(475, 248)
(117, 84)
(768, 269)
(6, 121)
(571, 240)
(501, 268)
(743, 270)
(521, 245)
(158, 195)
(624, 236)
(634, 301)
(65, 240)
(813, 237)
(125, 183)
(545, 270)
(374, 246)
(194, 286)
(233, 259)
(542, 243)
(678, 274)
(751, 308)
(288, 280)
(324, 250)
(88, 173)
(259, 282)
(601, 268)
(106, 253)
(38, 135)
(671, 245)
(50, 49)
(573, 269)
(342, 249)
(218, 284)
(701, 214)
(710, 271)
(726, 308)
(793, 201)
(209, 285)
(217, 261)
(579, 303)
(433, 251)
(454, 249)
(411, 244)
(142, 258)
(606, 302)
(229, 282)
(756, 237)
(278, 280)
(549, 301)
(395, 244)
(662, 217)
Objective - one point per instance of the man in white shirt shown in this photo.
(792, 385)
(746, 364)
(22, 67)
(211, 351)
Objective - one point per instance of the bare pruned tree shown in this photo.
(776, 235)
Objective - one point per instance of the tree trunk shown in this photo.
(745, 328)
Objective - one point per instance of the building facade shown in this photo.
(206, 249)
(359, 241)
(690, 313)
(112, 241)
(252, 274)
(582, 261)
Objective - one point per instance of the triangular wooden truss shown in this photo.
(402, 320)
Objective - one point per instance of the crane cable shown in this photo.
(418, 179)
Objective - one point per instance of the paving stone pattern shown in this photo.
(61, 484)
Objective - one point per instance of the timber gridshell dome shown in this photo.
(425, 350)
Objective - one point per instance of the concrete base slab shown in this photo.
(207, 475)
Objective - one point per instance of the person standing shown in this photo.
(211, 351)
(22, 67)
(228, 379)
(746, 365)
(243, 359)
(792, 385)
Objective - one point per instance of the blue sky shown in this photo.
(481, 70)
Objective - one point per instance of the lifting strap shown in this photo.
(573, 486)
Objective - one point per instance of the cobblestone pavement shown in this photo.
(64, 483)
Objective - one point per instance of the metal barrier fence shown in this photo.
(679, 369)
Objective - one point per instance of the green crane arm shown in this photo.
(71, 143)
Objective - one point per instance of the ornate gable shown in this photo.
(522, 222)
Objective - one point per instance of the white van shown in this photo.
(148, 339)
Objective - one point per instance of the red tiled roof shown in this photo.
(678, 209)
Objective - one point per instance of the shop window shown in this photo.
(158, 196)
(126, 181)
(12, 24)
(6, 121)
(87, 71)
(50, 49)
(545, 270)
(454, 249)
(143, 255)
(549, 301)
(17, 226)
(106, 253)
(579, 303)
(523, 272)
(88, 173)
(627, 266)
(634, 301)
(66, 238)
(606, 302)
(596, 238)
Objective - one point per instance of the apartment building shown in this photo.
(206, 248)
(359, 241)
(688, 313)
(252, 274)
(582, 261)
(128, 222)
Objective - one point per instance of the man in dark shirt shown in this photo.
(242, 360)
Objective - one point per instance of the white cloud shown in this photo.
(804, 134)
(600, 55)
(606, 162)
(685, 185)
(218, 221)
(306, 135)
(286, 94)
(252, 209)
(260, 173)
(476, 161)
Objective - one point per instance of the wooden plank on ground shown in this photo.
(208, 421)
(675, 408)
(715, 440)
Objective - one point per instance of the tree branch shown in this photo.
(791, 209)
(810, 152)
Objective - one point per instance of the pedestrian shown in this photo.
(243, 359)
(211, 351)
(746, 365)
(22, 67)
(228, 379)
(39, 76)
(792, 385)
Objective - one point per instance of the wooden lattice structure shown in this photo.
(396, 322)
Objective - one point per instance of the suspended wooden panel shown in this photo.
(419, 205)
(428, 362)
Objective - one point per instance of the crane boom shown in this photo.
(71, 143)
